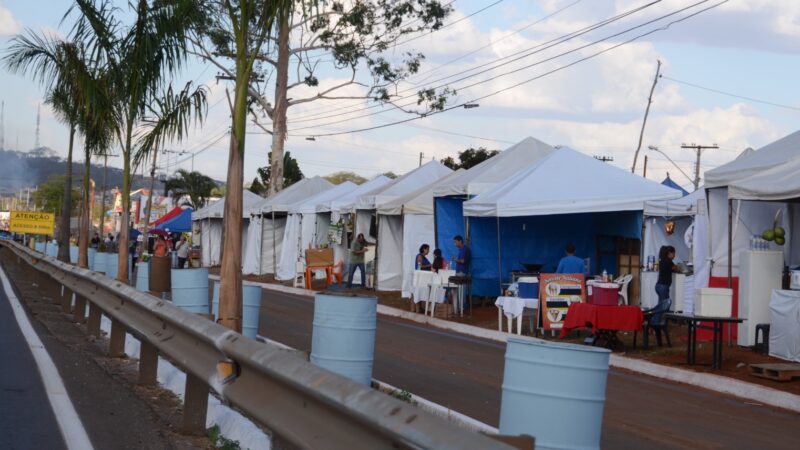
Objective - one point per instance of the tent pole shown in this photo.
(499, 257)
(435, 227)
(730, 243)
(377, 242)
(274, 261)
(260, 243)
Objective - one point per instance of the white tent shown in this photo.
(390, 232)
(752, 162)
(336, 205)
(265, 240)
(413, 213)
(495, 169)
(304, 225)
(208, 223)
(567, 182)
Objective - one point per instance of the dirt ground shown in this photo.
(735, 359)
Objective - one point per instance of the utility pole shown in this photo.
(421, 155)
(604, 158)
(646, 113)
(699, 149)
(644, 174)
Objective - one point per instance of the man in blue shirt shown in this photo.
(462, 261)
(570, 263)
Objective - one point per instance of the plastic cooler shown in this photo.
(713, 302)
(604, 294)
(528, 287)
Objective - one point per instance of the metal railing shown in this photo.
(304, 404)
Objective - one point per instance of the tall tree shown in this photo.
(49, 195)
(343, 175)
(469, 158)
(194, 185)
(291, 175)
(356, 36)
(141, 56)
(57, 65)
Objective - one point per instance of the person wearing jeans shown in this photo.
(665, 270)
(357, 251)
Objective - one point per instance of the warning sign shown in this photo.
(32, 222)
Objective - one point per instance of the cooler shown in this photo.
(603, 294)
(528, 287)
(713, 302)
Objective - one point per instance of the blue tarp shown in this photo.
(541, 240)
(449, 223)
(669, 183)
(182, 223)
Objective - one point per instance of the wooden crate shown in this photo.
(776, 372)
(443, 310)
(319, 257)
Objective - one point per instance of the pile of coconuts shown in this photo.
(775, 234)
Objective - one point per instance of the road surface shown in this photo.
(465, 374)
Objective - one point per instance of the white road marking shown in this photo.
(72, 429)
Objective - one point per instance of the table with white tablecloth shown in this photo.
(513, 307)
(784, 332)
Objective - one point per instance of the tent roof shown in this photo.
(417, 202)
(310, 205)
(217, 209)
(410, 182)
(295, 193)
(567, 182)
(169, 215)
(750, 163)
(779, 183)
(686, 206)
(668, 182)
(182, 223)
(498, 168)
(373, 185)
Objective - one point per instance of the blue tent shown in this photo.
(182, 223)
(669, 183)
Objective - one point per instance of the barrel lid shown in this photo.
(528, 280)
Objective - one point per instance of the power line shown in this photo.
(514, 86)
(729, 94)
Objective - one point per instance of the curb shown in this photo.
(716, 383)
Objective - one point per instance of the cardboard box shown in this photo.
(319, 257)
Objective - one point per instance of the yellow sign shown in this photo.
(32, 222)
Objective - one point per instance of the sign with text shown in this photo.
(557, 291)
(32, 222)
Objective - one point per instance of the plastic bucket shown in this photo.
(251, 307)
(143, 276)
(160, 272)
(190, 289)
(99, 263)
(343, 340)
(555, 392)
(528, 287)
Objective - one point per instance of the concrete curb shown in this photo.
(746, 391)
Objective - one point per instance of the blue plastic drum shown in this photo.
(190, 289)
(99, 263)
(143, 276)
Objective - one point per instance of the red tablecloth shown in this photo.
(621, 318)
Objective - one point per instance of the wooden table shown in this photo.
(692, 321)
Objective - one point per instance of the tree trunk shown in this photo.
(281, 105)
(149, 208)
(124, 231)
(66, 204)
(103, 198)
(85, 220)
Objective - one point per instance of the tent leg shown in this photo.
(274, 260)
(499, 260)
(730, 244)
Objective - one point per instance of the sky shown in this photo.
(514, 63)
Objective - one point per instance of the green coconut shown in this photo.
(780, 232)
(780, 240)
(768, 235)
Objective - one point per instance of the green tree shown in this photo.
(390, 174)
(291, 175)
(342, 176)
(469, 158)
(49, 196)
(194, 185)
(355, 36)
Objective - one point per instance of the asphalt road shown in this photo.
(465, 373)
(26, 418)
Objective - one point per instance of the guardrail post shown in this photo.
(116, 344)
(195, 405)
(93, 324)
(79, 313)
(66, 300)
(148, 363)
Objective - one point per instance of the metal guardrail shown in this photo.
(304, 404)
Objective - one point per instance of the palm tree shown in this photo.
(140, 57)
(194, 185)
(56, 65)
(172, 115)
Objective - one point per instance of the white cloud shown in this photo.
(8, 24)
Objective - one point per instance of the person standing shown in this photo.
(665, 270)
(463, 258)
(183, 251)
(422, 262)
(438, 261)
(570, 263)
(357, 251)
(160, 249)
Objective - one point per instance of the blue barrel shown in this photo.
(40, 247)
(73, 254)
(555, 392)
(90, 254)
(99, 263)
(190, 289)
(251, 307)
(343, 340)
(215, 301)
(112, 265)
(143, 276)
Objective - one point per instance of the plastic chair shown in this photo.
(300, 274)
(435, 292)
(421, 284)
(624, 281)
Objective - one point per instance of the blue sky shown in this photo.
(746, 47)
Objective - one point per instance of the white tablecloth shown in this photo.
(513, 306)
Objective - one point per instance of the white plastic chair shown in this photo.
(300, 274)
(435, 294)
(624, 281)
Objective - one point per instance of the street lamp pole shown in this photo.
(655, 149)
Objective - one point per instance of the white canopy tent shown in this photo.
(748, 218)
(567, 182)
(413, 213)
(268, 217)
(306, 228)
(208, 224)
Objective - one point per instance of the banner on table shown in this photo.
(558, 291)
(32, 222)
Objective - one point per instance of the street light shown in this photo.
(655, 149)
